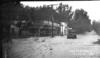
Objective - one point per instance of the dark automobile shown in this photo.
(71, 34)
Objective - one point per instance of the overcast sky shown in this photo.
(92, 7)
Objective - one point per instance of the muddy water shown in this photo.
(57, 47)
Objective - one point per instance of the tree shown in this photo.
(96, 27)
(81, 22)
(10, 12)
(64, 12)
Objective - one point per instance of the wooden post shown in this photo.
(39, 32)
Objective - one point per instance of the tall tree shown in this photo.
(81, 22)
(10, 12)
(64, 12)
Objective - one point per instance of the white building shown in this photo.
(64, 28)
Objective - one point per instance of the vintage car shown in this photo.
(71, 34)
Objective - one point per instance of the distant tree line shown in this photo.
(14, 11)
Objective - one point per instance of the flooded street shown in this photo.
(57, 47)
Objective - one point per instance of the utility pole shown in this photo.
(52, 19)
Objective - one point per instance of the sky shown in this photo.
(92, 7)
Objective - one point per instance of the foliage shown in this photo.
(96, 27)
(81, 22)
(64, 12)
(13, 11)
(9, 11)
